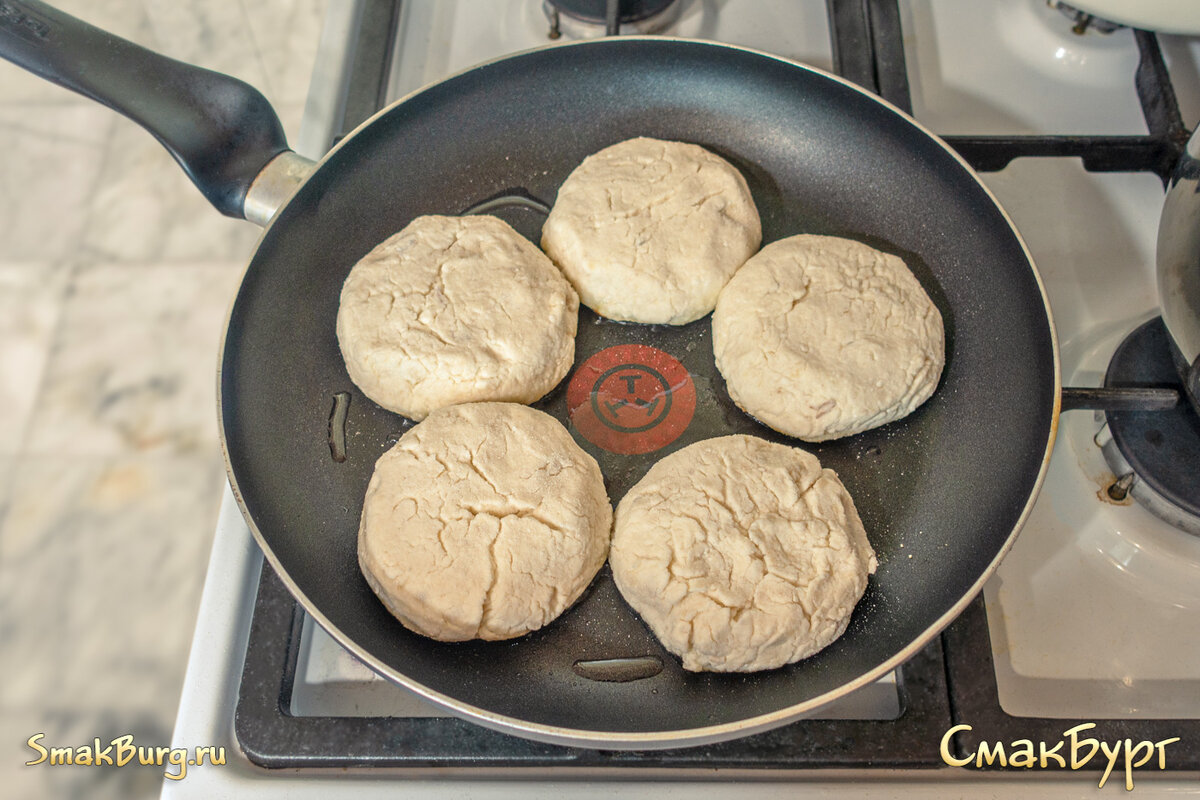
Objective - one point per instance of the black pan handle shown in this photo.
(221, 131)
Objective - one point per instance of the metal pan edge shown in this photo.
(654, 739)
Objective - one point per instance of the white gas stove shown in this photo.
(1092, 618)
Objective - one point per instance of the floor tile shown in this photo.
(284, 32)
(124, 18)
(78, 729)
(133, 368)
(145, 209)
(215, 36)
(101, 565)
(31, 299)
(115, 280)
(49, 164)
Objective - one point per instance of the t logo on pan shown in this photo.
(631, 399)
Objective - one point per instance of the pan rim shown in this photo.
(651, 740)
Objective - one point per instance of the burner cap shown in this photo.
(594, 10)
(1162, 447)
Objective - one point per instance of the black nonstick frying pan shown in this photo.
(942, 493)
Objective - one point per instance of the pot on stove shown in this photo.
(1156, 456)
(1178, 260)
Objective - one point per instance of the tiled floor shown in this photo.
(115, 276)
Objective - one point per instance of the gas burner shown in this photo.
(589, 18)
(1082, 20)
(1154, 454)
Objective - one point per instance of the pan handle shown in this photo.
(221, 131)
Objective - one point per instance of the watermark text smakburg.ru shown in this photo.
(121, 751)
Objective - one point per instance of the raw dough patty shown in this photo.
(485, 521)
(741, 554)
(820, 337)
(649, 231)
(454, 310)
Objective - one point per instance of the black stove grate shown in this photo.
(868, 48)
(951, 681)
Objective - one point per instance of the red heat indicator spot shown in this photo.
(631, 398)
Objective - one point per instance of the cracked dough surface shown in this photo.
(820, 337)
(741, 554)
(456, 310)
(650, 230)
(485, 521)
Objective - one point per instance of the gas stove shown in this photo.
(1088, 632)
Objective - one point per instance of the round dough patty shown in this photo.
(820, 337)
(485, 521)
(649, 230)
(741, 554)
(455, 310)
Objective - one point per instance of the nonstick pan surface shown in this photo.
(941, 493)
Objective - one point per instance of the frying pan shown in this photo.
(942, 493)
